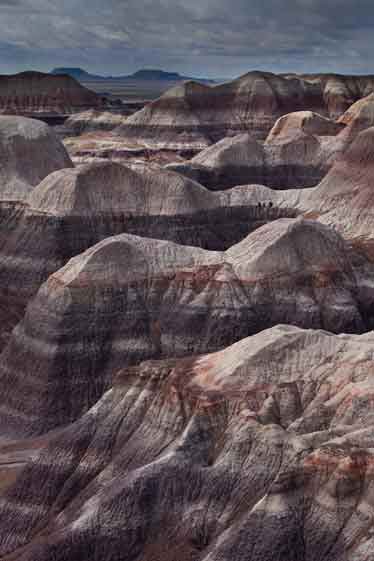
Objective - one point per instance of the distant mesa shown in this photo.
(76, 73)
(154, 74)
(151, 74)
(142, 75)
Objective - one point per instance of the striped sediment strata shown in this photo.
(261, 448)
(128, 299)
(73, 209)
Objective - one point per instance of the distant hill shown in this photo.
(143, 74)
(77, 73)
(154, 74)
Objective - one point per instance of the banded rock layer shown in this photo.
(263, 450)
(73, 209)
(128, 299)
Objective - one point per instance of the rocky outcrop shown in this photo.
(359, 116)
(29, 151)
(300, 149)
(195, 116)
(99, 146)
(73, 209)
(263, 450)
(93, 120)
(128, 299)
(232, 161)
(307, 122)
(30, 93)
(298, 152)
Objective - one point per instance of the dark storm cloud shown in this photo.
(215, 37)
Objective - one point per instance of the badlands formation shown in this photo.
(187, 351)
(197, 115)
(191, 117)
(30, 93)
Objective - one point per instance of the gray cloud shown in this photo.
(210, 37)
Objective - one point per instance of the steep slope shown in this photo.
(34, 92)
(196, 116)
(128, 299)
(345, 196)
(263, 451)
(29, 151)
(298, 152)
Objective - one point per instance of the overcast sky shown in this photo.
(213, 38)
